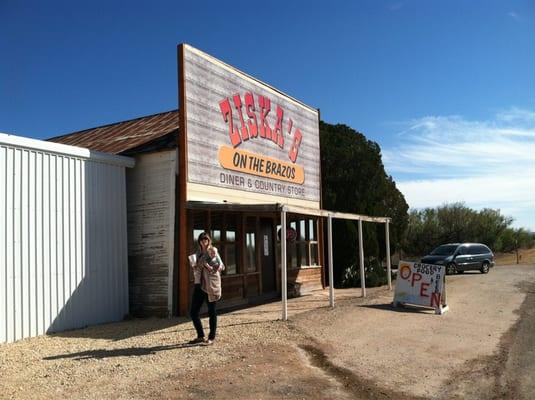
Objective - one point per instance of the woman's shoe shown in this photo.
(209, 342)
(197, 340)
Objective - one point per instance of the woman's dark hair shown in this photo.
(202, 236)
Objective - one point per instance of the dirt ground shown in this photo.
(364, 348)
(525, 256)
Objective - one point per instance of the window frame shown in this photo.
(223, 244)
(306, 243)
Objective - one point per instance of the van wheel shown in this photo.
(485, 268)
(451, 269)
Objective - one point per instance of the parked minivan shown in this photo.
(460, 257)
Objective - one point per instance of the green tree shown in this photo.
(453, 223)
(354, 181)
(514, 239)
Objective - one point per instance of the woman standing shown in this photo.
(207, 274)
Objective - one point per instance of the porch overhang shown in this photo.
(284, 209)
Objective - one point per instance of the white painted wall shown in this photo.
(63, 243)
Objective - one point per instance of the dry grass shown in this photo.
(526, 256)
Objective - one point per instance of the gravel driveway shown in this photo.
(361, 349)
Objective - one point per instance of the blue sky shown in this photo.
(446, 88)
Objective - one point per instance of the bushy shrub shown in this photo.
(375, 274)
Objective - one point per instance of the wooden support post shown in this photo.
(284, 260)
(183, 265)
(388, 265)
(330, 261)
(361, 259)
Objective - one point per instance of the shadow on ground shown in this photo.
(125, 352)
(139, 351)
(125, 329)
(400, 309)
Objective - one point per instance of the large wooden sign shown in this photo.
(421, 284)
(246, 142)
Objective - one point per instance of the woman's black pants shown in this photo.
(199, 297)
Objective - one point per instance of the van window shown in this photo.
(463, 250)
(472, 250)
(481, 249)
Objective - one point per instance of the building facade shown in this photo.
(224, 162)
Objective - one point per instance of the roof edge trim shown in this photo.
(65, 150)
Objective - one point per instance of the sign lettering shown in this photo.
(420, 284)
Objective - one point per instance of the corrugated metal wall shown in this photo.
(63, 243)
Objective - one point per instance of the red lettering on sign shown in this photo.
(226, 110)
(265, 107)
(416, 277)
(435, 299)
(277, 131)
(238, 105)
(294, 150)
(250, 125)
(290, 125)
(405, 272)
(423, 289)
(250, 110)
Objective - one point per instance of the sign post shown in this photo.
(421, 284)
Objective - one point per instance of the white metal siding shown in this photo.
(63, 244)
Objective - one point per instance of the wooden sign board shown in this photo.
(422, 285)
(245, 141)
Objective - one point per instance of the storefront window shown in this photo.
(302, 247)
(216, 224)
(314, 253)
(306, 246)
(230, 259)
(302, 229)
(303, 250)
(313, 257)
(291, 248)
(312, 229)
(198, 223)
(223, 228)
(250, 244)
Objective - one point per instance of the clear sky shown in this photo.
(447, 88)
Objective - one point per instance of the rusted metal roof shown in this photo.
(122, 136)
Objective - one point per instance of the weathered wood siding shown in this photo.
(207, 83)
(308, 277)
(151, 208)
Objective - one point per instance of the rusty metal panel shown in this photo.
(123, 136)
(224, 116)
(63, 259)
